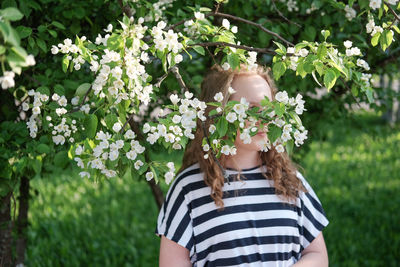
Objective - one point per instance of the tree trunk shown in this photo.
(157, 193)
(22, 221)
(155, 188)
(5, 231)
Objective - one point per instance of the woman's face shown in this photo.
(254, 88)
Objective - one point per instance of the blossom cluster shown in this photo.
(179, 124)
(33, 121)
(350, 12)
(303, 52)
(241, 116)
(120, 74)
(7, 80)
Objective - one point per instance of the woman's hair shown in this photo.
(280, 168)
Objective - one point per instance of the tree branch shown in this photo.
(257, 25)
(178, 76)
(82, 102)
(392, 11)
(282, 16)
(126, 9)
(218, 14)
(244, 47)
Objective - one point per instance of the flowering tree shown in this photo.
(135, 95)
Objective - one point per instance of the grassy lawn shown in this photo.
(354, 169)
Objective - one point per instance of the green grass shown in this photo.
(356, 174)
(354, 169)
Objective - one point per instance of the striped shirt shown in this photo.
(256, 228)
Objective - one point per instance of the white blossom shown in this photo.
(212, 128)
(231, 117)
(219, 97)
(226, 24)
(279, 148)
(168, 177)
(282, 97)
(226, 66)
(348, 43)
(149, 176)
(117, 127)
(7, 81)
(375, 4)
(231, 90)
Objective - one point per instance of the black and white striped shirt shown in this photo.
(256, 228)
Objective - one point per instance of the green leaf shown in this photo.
(43, 90)
(41, 44)
(354, 90)
(389, 37)
(281, 47)
(322, 51)
(325, 33)
(59, 89)
(37, 165)
(233, 60)
(90, 125)
(330, 79)
(315, 78)
(43, 148)
(23, 31)
(58, 25)
(279, 109)
(383, 40)
(212, 112)
(11, 13)
(10, 35)
(52, 33)
(375, 39)
(278, 69)
(199, 49)
(61, 159)
(369, 93)
(110, 119)
(289, 146)
(273, 132)
(82, 89)
(222, 126)
(65, 63)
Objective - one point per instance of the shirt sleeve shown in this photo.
(312, 217)
(174, 219)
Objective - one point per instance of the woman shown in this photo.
(266, 214)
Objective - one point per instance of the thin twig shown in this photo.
(162, 78)
(126, 9)
(178, 76)
(212, 56)
(224, 173)
(348, 88)
(392, 11)
(126, 123)
(218, 14)
(254, 24)
(82, 102)
(244, 47)
(282, 16)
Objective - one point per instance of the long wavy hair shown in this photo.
(280, 168)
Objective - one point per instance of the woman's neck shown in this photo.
(243, 159)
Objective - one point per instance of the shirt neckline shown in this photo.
(246, 169)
